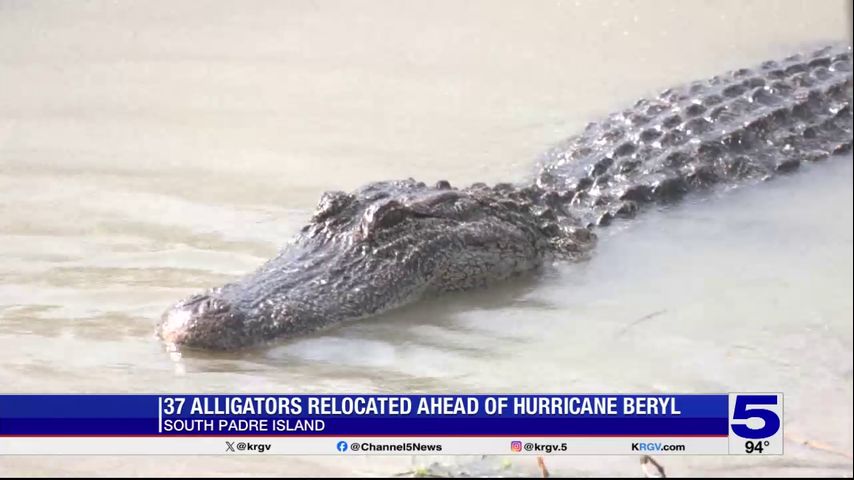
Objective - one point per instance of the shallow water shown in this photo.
(151, 150)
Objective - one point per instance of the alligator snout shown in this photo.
(201, 320)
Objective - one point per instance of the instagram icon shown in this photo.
(516, 446)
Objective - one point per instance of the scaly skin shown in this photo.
(392, 243)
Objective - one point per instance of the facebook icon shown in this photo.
(342, 446)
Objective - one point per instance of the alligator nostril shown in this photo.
(203, 320)
(209, 305)
(178, 323)
(175, 324)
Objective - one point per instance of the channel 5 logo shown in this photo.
(765, 409)
(756, 423)
(516, 446)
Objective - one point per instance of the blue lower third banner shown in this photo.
(737, 423)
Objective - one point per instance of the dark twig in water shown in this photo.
(542, 464)
(637, 322)
(651, 468)
(817, 445)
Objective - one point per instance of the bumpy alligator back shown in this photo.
(745, 125)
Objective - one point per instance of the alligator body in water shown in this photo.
(392, 243)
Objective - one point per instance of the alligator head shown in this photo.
(379, 247)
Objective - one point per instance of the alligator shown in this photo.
(392, 243)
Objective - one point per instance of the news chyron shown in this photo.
(344, 424)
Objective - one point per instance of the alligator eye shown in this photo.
(381, 216)
(389, 218)
(330, 204)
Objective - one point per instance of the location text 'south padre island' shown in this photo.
(198, 425)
